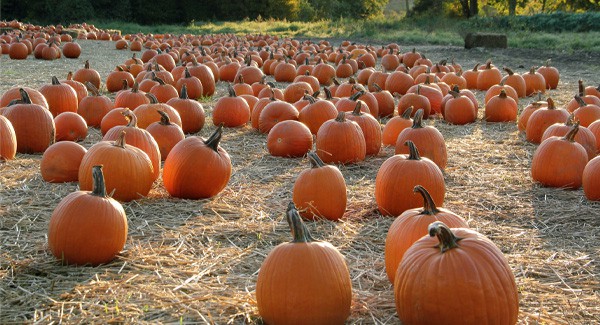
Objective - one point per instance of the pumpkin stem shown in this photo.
(580, 101)
(164, 118)
(413, 151)
(551, 103)
(407, 112)
(377, 87)
(356, 95)
(418, 119)
(98, 187)
(299, 230)
(446, 237)
(184, 94)
(315, 160)
(159, 80)
(502, 94)
(509, 71)
(476, 67)
(571, 135)
(24, 96)
(124, 84)
(356, 111)
(188, 74)
(213, 141)
(132, 118)
(581, 87)
(70, 75)
(429, 207)
(92, 88)
(120, 142)
(328, 94)
(341, 117)
(55, 81)
(570, 120)
(86, 65)
(152, 98)
(231, 91)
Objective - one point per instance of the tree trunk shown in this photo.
(512, 6)
(465, 8)
(474, 10)
(543, 6)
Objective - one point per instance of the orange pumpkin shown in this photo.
(166, 134)
(60, 162)
(289, 138)
(191, 112)
(88, 74)
(8, 140)
(231, 111)
(428, 139)
(501, 108)
(340, 141)
(591, 180)
(60, 97)
(70, 127)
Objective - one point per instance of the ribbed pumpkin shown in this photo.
(8, 140)
(586, 114)
(14, 93)
(80, 89)
(128, 172)
(528, 110)
(60, 162)
(289, 139)
(324, 73)
(534, 82)
(589, 99)
(113, 118)
(191, 112)
(488, 76)
(88, 74)
(591, 180)
(385, 102)
(295, 91)
(275, 112)
(70, 127)
(320, 192)
(88, 227)
(163, 91)
(394, 126)
(541, 119)
(231, 111)
(595, 129)
(205, 75)
(398, 176)
(471, 77)
(139, 138)
(559, 161)
(501, 108)
(411, 225)
(462, 261)
(516, 81)
(316, 113)
(428, 139)
(166, 134)
(370, 127)
(304, 281)
(33, 125)
(193, 84)
(60, 97)
(340, 141)
(584, 136)
(131, 98)
(197, 168)
(465, 92)
(416, 101)
(94, 107)
(496, 89)
(114, 80)
(459, 109)
(146, 113)
(550, 74)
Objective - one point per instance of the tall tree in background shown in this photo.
(512, 7)
(470, 8)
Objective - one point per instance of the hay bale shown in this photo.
(490, 40)
(74, 32)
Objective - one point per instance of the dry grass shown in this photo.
(197, 261)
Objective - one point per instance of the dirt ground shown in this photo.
(197, 261)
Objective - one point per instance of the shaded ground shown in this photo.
(197, 261)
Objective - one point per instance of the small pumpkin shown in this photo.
(394, 126)
(231, 111)
(8, 140)
(70, 127)
(166, 134)
(60, 162)
(341, 141)
(289, 138)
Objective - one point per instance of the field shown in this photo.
(192, 261)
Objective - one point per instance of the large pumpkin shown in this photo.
(591, 180)
(320, 192)
(428, 139)
(341, 141)
(411, 225)
(304, 281)
(398, 176)
(289, 139)
(460, 261)
(60, 162)
(197, 168)
(191, 112)
(60, 97)
(8, 140)
(231, 111)
(88, 227)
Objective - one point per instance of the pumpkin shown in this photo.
(591, 180)
(14, 93)
(60, 162)
(471, 77)
(501, 108)
(380, 78)
(340, 141)
(409, 58)
(595, 129)
(191, 112)
(416, 101)
(428, 139)
(411, 225)
(166, 134)
(534, 82)
(205, 75)
(60, 97)
(163, 91)
(88, 227)
(324, 73)
(146, 113)
(465, 92)
(289, 139)
(18, 50)
(131, 98)
(88, 74)
(516, 81)
(459, 109)
(193, 84)
(231, 111)
(114, 80)
(304, 281)
(588, 99)
(496, 89)
(70, 127)
(397, 177)
(462, 261)
(8, 140)
(528, 110)
(584, 136)
(370, 127)
(541, 119)
(559, 161)
(586, 114)
(275, 112)
(455, 78)
(71, 50)
(33, 125)
(284, 72)
(550, 74)
(394, 126)
(296, 91)
(390, 61)
(433, 93)
(316, 113)
(368, 98)
(80, 89)
(113, 118)
(197, 168)
(139, 138)
(385, 102)
(488, 76)
(349, 104)
(128, 171)
(250, 72)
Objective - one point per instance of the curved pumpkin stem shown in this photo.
(476, 67)
(98, 187)
(418, 119)
(407, 112)
(152, 98)
(571, 135)
(341, 117)
(502, 94)
(315, 160)
(213, 141)
(92, 88)
(581, 87)
(551, 103)
(184, 94)
(120, 142)
(298, 228)
(231, 91)
(55, 81)
(328, 95)
(429, 207)
(413, 151)
(357, 111)
(187, 73)
(357, 95)
(446, 237)
(164, 117)
(24, 96)
(580, 101)
(132, 118)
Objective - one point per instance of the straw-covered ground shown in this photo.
(197, 261)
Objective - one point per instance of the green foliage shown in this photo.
(555, 22)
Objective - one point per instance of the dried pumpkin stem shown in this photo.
(213, 141)
(24, 96)
(120, 142)
(341, 117)
(315, 160)
(356, 111)
(55, 81)
(413, 152)
(164, 117)
(446, 237)
(407, 112)
(418, 119)
(184, 94)
(98, 187)
(429, 207)
(299, 231)
(571, 135)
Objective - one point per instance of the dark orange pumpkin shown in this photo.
(459, 109)
(70, 127)
(60, 97)
(370, 127)
(550, 74)
(231, 111)
(340, 141)
(275, 112)
(166, 134)
(428, 139)
(501, 108)
(86, 74)
(289, 138)
(60, 162)
(591, 180)
(191, 112)
(541, 119)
